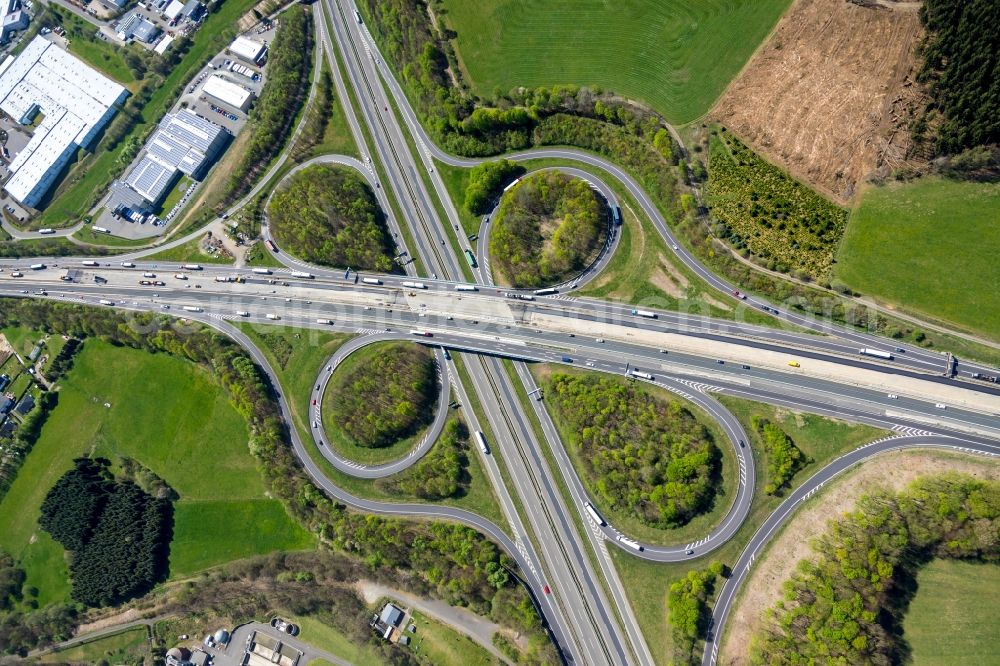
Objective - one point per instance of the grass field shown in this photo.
(646, 583)
(675, 55)
(172, 417)
(930, 247)
(117, 649)
(437, 643)
(955, 616)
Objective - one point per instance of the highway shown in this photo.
(927, 398)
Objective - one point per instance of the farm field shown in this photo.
(675, 55)
(830, 93)
(955, 615)
(929, 247)
(173, 418)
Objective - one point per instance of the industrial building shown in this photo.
(76, 102)
(184, 143)
(12, 18)
(226, 91)
(249, 50)
(135, 26)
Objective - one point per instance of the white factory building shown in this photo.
(226, 91)
(76, 102)
(184, 143)
(248, 49)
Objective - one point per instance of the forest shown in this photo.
(328, 215)
(451, 562)
(641, 454)
(117, 535)
(284, 91)
(441, 473)
(846, 604)
(387, 399)
(547, 229)
(962, 69)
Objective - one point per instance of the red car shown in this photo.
(546, 590)
(314, 402)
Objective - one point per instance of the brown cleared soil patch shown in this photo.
(830, 94)
(894, 470)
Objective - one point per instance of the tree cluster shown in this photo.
(284, 91)
(317, 117)
(117, 535)
(642, 455)
(689, 615)
(441, 473)
(961, 66)
(328, 215)
(11, 581)
(546, 229)
(784, 459)
(846, 604)
(446, 560)
(389, 398)
(486, 181)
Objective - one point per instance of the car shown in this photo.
(689, 551)
(742, 444)
(941, 405)
(675, 247)
(745, 366)
(892, 396)
(315, 424)
(794, 364)
(314, 402)
(600, 340)
(546, 590)
(900, 350)
(663, 351)
(720, 361)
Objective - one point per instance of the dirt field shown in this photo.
(828, 96)
(891, 470)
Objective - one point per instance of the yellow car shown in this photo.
(794, 364)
